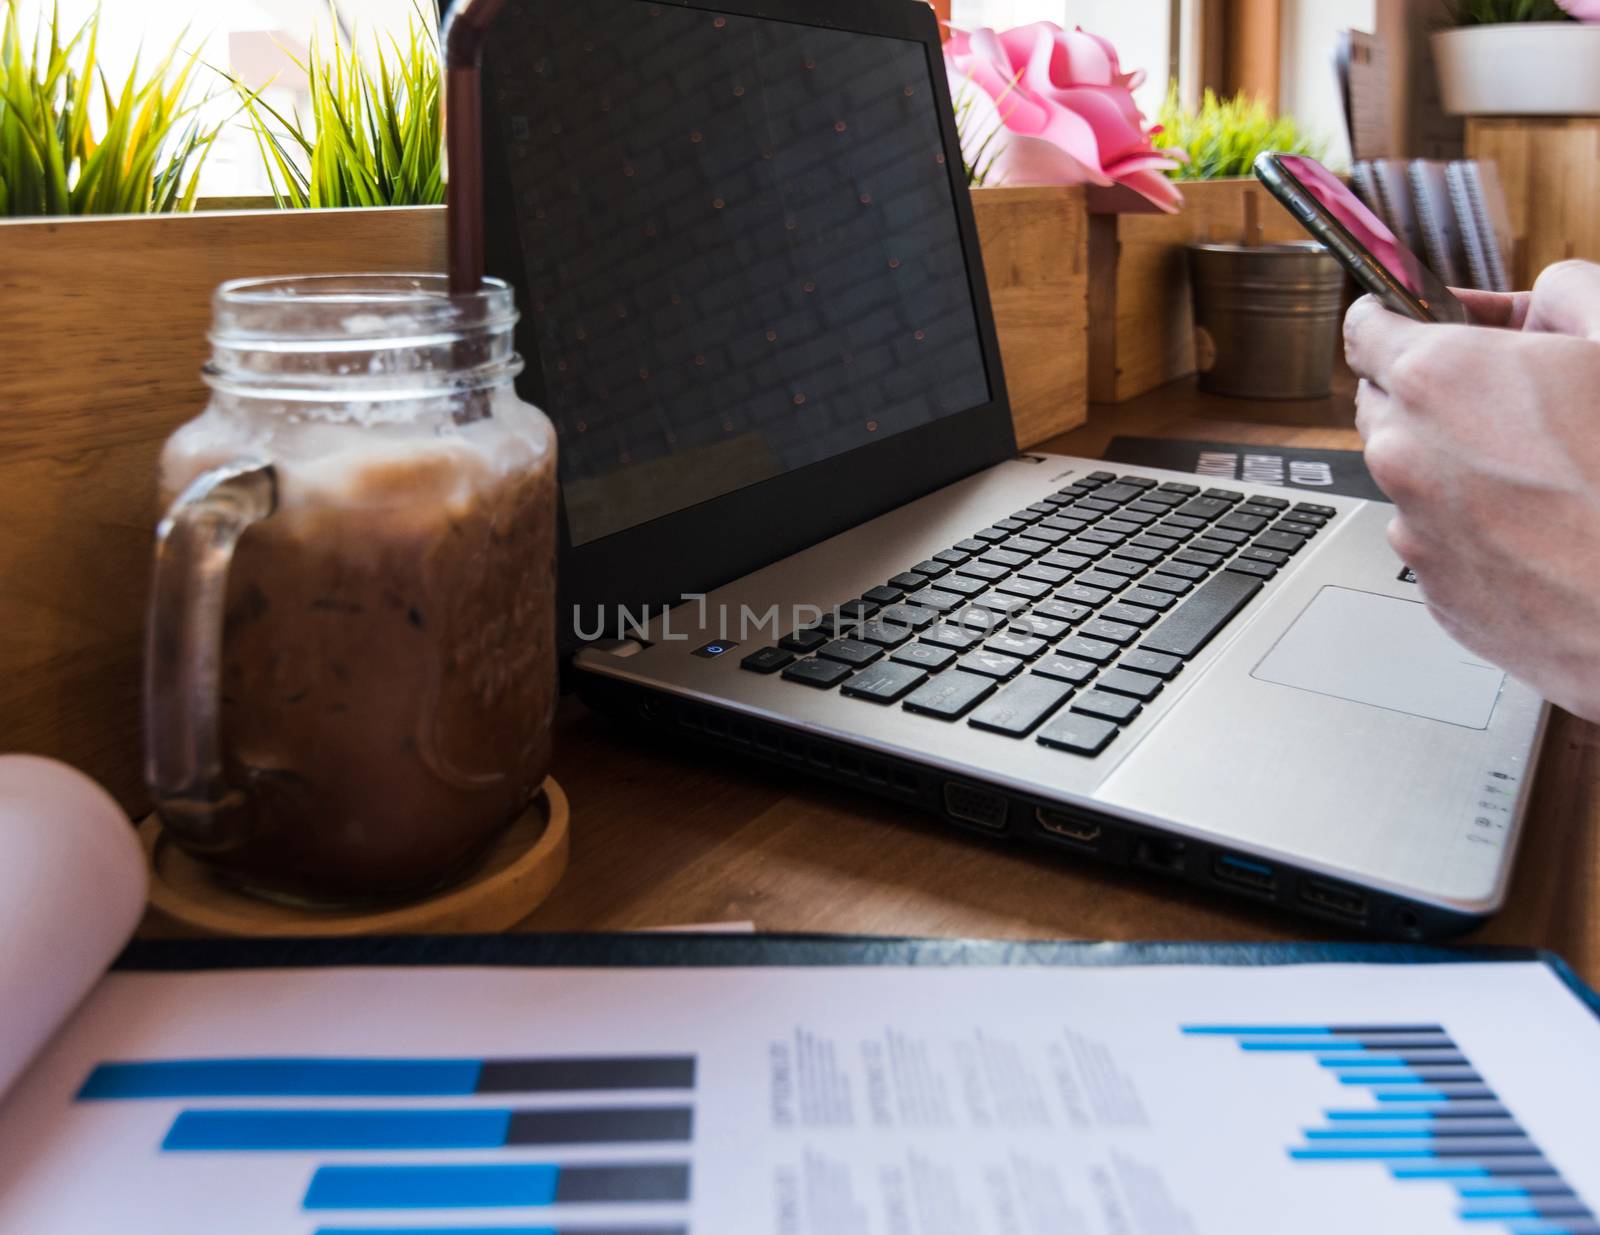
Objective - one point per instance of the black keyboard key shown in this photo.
(1241, 522)
(1098, 478)
(857, 610)
(923, 656)
(1120, 681)
(1146, 599)
(1128, 615)
(1257, 554)
(1144, 506)
(1112, 632)
(854, 652)
(939, 602)
(962, 585)
(1183, 570)
(1050, 536)
(1207, 544)
(1032, 516)
(907, 615)
(1082, 594)
(768, 660)
(996, 602)
(1081, 735)
(906, 581)
(1199, 557)
(1170, 584)
(990, 665)
(1271, 503)
(1178, 487)
(947, 636)
(1164, 498)
(952, 557)
(1022, 707)
(1162, 544)
(1100, 580)
(1053, 575)
(993, 535)
(1031, 625)
(1027, 589)
(1227, 536)
(1158, 663)
(885, 683)
(1137, 482)
(1065, 669)
(1253, 507)
(1122, 527)
(1082, 548)
(1097, 506)
(1121, 567)
(990, 571)
(1093, 650)
(970, 546)
(1100, 536)
(1294, 528)
(1119, 708)
(1194, 623)
(883, 595)
(950, 695)
(1224, 495)
(1004, 557)
(1137, 520)
(1205, 508)
(930, 569)
(804, 641)
(1009, 525)
(1117, 492)
(1179, 527)
(1025, 545)
(1020, 646)
(1042, 509)
(819, 673)
(1063, 523)
(1063, 610)
(1134, 553)
(1064, 561)
(1307, 508)
(1256, 570)
(1281, 541)
(883, 634)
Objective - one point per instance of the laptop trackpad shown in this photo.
(1384, 652)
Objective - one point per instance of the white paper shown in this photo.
(72, 889)
(866, 1101)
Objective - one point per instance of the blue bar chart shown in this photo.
(379, 1111)
(1432, 1118)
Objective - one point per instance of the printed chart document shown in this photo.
(1314, 1099)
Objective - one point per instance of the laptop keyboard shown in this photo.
(1061, 622)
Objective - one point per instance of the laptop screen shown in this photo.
(741, 242)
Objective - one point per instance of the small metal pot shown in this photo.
(1266, 318)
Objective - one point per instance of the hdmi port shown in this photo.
(1245, 873)
(1068, 827)
(1334, 898)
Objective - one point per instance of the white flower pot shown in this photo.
(1541, 68)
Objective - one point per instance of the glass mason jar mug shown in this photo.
(350, 673)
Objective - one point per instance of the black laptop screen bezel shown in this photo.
(702, 547)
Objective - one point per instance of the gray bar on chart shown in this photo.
(641, 1182)
(601, 1126)
(574, 1075)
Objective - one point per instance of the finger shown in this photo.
(1374, 339)
(1372, 409)
(1507, 311)
(1566, 300)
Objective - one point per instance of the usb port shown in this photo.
(1068, 827)
(1245, 873)
(1334, 898)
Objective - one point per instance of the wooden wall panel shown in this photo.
(1551, 170)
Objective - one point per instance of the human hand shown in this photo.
(1488, 442)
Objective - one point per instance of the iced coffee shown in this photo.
(387, 670)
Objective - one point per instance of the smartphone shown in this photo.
(1328, 209)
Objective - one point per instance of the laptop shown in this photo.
(796, 526)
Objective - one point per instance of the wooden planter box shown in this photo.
(103, 323)
(1035, 255)
(1141, 318)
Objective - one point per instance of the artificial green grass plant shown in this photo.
(374, 137)
(53, 91)
(1222, 137)
(1499, 12)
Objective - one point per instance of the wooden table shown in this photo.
(664, 838)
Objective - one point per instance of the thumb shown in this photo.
(1566, 300)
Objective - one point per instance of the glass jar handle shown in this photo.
(183, 652)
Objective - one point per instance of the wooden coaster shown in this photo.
(511, 882)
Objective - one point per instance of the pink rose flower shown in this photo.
(1583, 10)
(1049, 106)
